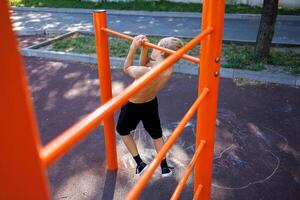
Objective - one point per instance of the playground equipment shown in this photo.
(24, 160)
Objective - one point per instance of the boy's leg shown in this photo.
(151, 122)
(128, 120)
(130, 144)
(158, 143)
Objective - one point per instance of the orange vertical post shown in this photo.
(22, 175)
(210, 57)
(105, 85)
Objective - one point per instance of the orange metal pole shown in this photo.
(71, 136)
(141, 184)
(127, 37)
(187, 172)
(22, 175)
(213, 15)
(105, 85)
(197, 193)
(185, 56)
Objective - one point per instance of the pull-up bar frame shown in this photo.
(23, 141)
(71, 136)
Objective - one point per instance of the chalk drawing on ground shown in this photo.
(241, 148)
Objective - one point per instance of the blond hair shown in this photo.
(170, 43)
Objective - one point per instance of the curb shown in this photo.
(183, 67)
(47, 42)
(151, 13)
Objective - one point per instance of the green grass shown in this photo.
(161, 5)
(77, 44)
(86, 45)
(238, 57)
(289, 59)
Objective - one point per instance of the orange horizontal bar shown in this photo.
(197, 193)
(74, 134)
(140, 185)
(187, 172)
(185, 56)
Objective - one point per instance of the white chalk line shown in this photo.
(261, 180)
(255, 182)
(221, 154)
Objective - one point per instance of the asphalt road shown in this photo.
(287, 31)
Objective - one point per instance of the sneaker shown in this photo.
(140, 168)
(166, 172)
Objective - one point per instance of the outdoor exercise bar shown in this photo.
(185, 56)
(72, 135)
(32, 159)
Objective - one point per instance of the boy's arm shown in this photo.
(137, 71)
(134, 71)
(130, 58)
(144, 60)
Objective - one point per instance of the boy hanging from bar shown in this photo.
(143, 106)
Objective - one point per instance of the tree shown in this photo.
(266, 30)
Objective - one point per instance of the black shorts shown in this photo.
(131, 114)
